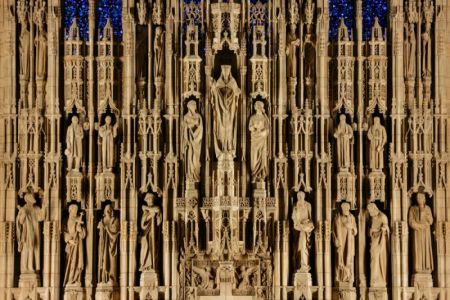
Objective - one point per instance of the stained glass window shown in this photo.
(341, 9)
(370, 10)
(77, 9)
(111, 9)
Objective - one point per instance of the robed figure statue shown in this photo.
(344, 140)
(303, 224)
(29, 234)
(108, 132)
(74, 233)
(225, 94)
(259, 133)
(193, 134)
(74, 145)
(150, 222)
(379, 241)
(109, 228)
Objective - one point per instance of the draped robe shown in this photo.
(73, 236)
(259, 128)
(193, 133)
(151, 219)
(420, 220)
(107, 249)
(379, 233)
(344, 232)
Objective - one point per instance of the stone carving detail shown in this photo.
(205, 277)
(74, 234)
(378, 138)
(344, 232)
(259, 133)
(302, 218)
(379, 240)
(158, 51)
(108, 132)
(150, 224)
(109, 229)
(344, 141)
(74, 145)
(29, 234)
(292, 44)
(193, 135)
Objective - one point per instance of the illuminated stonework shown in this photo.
(261, 149)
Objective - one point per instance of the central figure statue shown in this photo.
(225, 94)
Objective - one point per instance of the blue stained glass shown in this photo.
(340, 9)
(370, 10)
(77, 9)
(111, 9)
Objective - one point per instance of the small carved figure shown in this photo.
(29, 234)
(41, 50)
(108, 132)
(206, 281)
(291, 51)
(225, 94)
(420, 219)
(410, 49)
(150, 222)
(426, 50)
(158, 52)
(377, 137)
(244, 277)
(302, 218)
(74, 233)
(74, 145)
(193, 134)
(142, 12)
(344, 138)
(109, 228)
(259, 132)
(379, 240)
(24, 51)
(344, 232)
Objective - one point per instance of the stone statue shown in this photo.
(344, 138)
(74, 145)
(302, 218)
(420, 219)
(379, 240)
(24, 51)
(40, 43)
(74, 233)
(29, 234)
(410, 52)
(378, 138)
(259, 132)
(193, 134)
(108, 132)
(206, 281)
(426, 50)
(244, 277)
(158, 51)
(109, 228)
(142, 12)
(292, 43)
(344, 232)
(150, 222)
(225, 94)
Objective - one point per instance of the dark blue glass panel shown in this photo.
(111, 9)
(76, 9)
(370, 10)
(340, 9)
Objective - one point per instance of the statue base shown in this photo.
(106, 291)
(344, 291)
(149, 285)
(378, 293)
(377, 179)
(106, 188)
(73, 293)
(302, 286)
(28, 282)
(422, 280)
(74, 187)
(346, 187)
(259, 189)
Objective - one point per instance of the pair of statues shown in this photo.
(74, 143)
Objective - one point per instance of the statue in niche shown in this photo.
(158, 51)
(378, 138)
(40, 43)
(29, 234)
(205, 277)
(225, 94)
(344, 137)
(426, 50)
(74, 145)
(150, 222)
(142, 12)
(410, 52)
(259, 133)
(193, 134)
(344, 232)
(108, 132)
(303, 224)
(24, 51)
(74, 233)
(292, 43)
(379, 240)
(109, 228)
(244, 277)
(420, 219)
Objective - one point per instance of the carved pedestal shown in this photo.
(73, 293)
(378, 294)
(346, 187)
(422, 280)
(28, 283)
(106, 292)
(74, 187)
(259, 190)
(149, 285)
(377, 179)
(302, 286)
(344, 293)
(105, 188)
